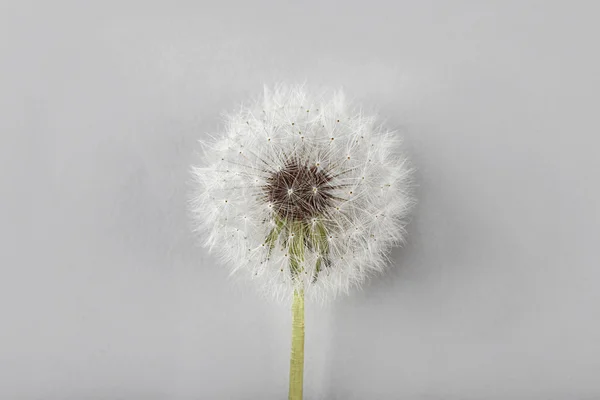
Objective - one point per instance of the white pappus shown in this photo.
(302, 190)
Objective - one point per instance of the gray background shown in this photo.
(105, 295)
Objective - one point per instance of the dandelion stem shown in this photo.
(297, 355)
(296, 249)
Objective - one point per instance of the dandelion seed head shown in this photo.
(302, 188)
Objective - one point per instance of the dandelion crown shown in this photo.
(302, 191)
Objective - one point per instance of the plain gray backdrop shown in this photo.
(104, 293)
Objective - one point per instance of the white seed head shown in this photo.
(302, 189)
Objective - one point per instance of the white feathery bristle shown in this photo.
(252, 183)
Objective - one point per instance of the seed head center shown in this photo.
(299, 191)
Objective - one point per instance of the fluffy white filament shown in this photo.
(369, 190)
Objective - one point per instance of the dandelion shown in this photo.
(305, 195)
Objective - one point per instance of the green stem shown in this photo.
(297, 355)
(296, 250)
